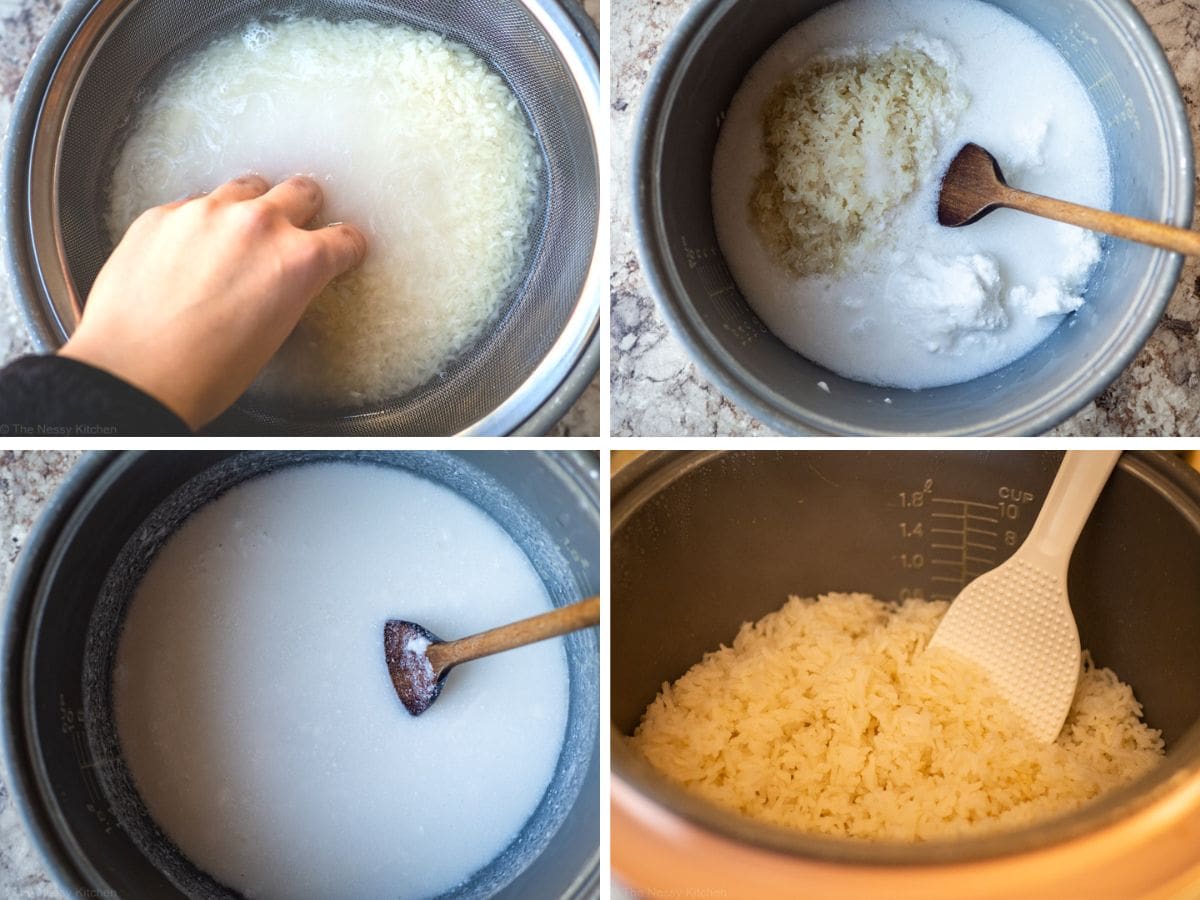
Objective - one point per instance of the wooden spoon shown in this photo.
(419, 660)
(974, 186)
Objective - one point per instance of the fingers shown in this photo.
(325, 253)
(248, 187)
(298, 198)
(339, 248)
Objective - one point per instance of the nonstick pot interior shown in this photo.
(704, 542)
(63, 759)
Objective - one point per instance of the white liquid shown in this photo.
(255, 710)
(940, 306)
(414, 139)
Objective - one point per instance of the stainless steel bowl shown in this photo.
(1135, 92)
(100, 55)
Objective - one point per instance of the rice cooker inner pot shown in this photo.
(702, 543)
(60, 643)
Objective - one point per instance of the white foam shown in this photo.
(945, 306)
(255, 709)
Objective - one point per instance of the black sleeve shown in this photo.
(58, 397)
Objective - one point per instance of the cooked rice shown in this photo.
(828, 716)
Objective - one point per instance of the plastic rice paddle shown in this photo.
(419, 661)
(1015, 621)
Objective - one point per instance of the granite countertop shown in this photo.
(657, 390)
(22, 24)
(27, 480)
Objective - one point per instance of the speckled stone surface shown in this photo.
(27, 480)
(583, 419)
(22, 24)
(655, 388)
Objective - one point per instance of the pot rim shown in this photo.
(1027, 417)
(41, 826)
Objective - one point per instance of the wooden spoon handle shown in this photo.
(1168, 237)
(508, 637)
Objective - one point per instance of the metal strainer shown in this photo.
(100, 57)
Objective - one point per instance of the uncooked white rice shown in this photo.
(848, 139)
(416, 141)
(828, 716)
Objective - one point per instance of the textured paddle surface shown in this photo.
(1016, 623)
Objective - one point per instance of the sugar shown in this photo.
(939, 306)
(254, 705)
(417, 645)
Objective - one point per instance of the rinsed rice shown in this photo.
(849, 138)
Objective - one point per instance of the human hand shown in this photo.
(199, 294)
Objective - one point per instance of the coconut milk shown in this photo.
(254, 706)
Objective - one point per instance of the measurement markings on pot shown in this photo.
(719, 287)
(950, 541)
(71, 721)
(974, 533)
(1106, 91)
